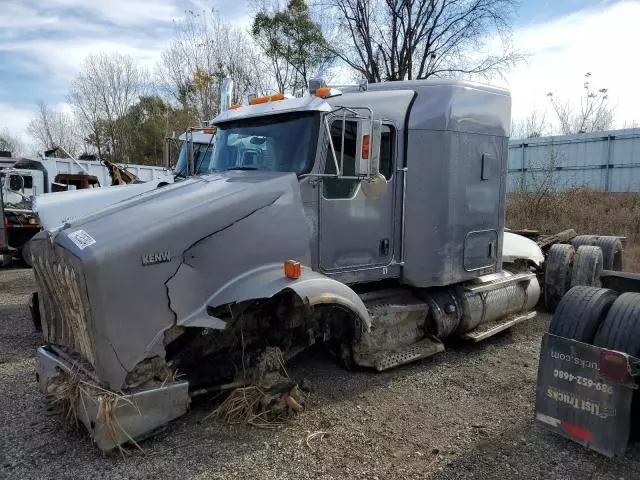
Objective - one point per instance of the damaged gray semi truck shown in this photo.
(368, 220)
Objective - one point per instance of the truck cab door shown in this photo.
(356, 232)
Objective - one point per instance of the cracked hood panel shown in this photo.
(154, 261)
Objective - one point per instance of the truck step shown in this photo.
(489, 329)
(422, 349)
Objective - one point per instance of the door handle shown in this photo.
(384, 247)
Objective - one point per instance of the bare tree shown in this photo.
(85, 100)
(10, 142)
(595, 113)
(102, 93)
(415, 39)
(533, 126)
(51, 128)
(205, 50)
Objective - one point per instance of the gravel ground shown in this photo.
(466, 413)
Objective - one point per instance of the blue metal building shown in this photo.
(608, 161)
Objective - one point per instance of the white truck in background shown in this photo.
(195, 151)
(26, 181)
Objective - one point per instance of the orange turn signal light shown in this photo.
(292, 269)
(323, 92)
(268, 98)
(207, 130)
(366, 140)
(234, 106)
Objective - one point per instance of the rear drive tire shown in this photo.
(6, 259)
(620, 329)
(557, 274)
(581, 312)
(587, 266)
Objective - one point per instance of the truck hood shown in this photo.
(56, 209)
(160, 259)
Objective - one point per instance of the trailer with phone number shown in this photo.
(589, 365)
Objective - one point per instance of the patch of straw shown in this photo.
(67, 391)
(264, 403)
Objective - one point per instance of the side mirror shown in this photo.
(368, 148)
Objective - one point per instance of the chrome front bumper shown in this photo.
(133, 416)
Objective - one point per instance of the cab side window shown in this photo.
(340, 187)
(343, 188)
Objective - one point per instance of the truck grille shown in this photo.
(63, 301)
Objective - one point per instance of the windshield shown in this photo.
(202, 154)
(283, 143)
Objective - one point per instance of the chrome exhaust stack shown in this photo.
(226, 94)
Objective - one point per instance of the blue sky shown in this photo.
(43, 43)
(540, 11)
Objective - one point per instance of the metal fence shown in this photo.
(608, 161)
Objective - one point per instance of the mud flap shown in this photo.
(584, 393)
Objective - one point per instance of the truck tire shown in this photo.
(584, 240)
(557, 274)
(6, 259)
(587, 266)
(25, 253)
(612, 253)
(620, 329)
(612, 250)
(580, 313)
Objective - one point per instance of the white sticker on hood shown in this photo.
(82, 239)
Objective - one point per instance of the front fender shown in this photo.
(269, 280)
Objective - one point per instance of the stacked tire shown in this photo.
(612, 251)
(567, 267)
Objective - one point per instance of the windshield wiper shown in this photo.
(240, 168)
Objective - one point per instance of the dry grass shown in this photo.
(585, 210)
(67, 392)
(269, 401)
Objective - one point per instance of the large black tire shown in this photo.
(580, 313)
(612, 250)
(587, 266)
(6, 259)
(26, 253)
(620, 329)
(557, 274)
(584, 240)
